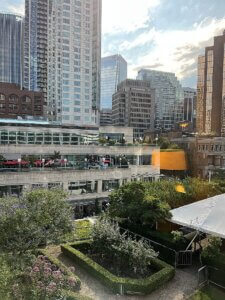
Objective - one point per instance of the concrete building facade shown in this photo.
(11, 49)
(211, 89)
(105, 117)
(41, 156)
(169, 98)
(133, 106)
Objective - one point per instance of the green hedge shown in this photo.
(62, 267)
(143, 286)
(74, 296)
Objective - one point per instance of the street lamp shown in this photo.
(19, 162)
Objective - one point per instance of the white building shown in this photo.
(73, 57)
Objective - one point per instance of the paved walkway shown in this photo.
(180, 287)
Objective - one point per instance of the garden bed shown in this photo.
(161, 271)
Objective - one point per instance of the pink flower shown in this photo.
(51, 287)
(47, 271)
(71, 281)
(57, 274)
(72, 269)
(40, 285)
(36, 269)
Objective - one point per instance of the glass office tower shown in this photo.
(114, 71)
(169, 98)
(11, 49)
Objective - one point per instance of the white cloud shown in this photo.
(126, 15)
(176, 51)
(17, 9)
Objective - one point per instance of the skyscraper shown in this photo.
(11, 49)
(169, 98)
(35, 45)
(133, 106)
(113, 71)
(211, 89)
(67, 35)
(190, 98)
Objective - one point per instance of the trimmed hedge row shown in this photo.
(62, 267)
(74, 296)
(117, 284)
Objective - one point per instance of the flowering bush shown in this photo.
(44, 281)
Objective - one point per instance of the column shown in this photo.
(99, 188)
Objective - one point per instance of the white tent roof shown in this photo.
(206, 216)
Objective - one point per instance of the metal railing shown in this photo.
(209, 274)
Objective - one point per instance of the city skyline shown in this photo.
(142, 38)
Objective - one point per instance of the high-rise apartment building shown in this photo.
(67, 35)
(190, 98)
(133, 106)
(36, 45)
(11, 49)
(211, 89)
(113, 71)
(169, 98)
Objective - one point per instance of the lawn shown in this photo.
(82, 231)
(209, 292)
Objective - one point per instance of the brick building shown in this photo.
(16, 102)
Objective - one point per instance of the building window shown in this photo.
(26, 99)
(2, 97)
(13, 98)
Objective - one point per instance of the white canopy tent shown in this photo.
(207, 216)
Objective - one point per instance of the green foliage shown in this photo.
(143, 286)
(102, 141)
(123, 251)
(164, 143)
(177, 236)
(195, 189)
(133, 202)
(40, 217)
(213, 248)
(6, 278)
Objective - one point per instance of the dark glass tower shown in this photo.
(11, 49)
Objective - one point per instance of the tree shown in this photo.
(40, 217)
(132, 202)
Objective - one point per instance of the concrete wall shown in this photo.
(76, 150)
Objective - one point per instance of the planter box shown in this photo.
(119, 285)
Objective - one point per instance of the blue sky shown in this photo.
(165, 35)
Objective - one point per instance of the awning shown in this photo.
(207, 216)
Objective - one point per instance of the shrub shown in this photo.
(43, 280)
(143, 286)
(213, 248)
(125, 252)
